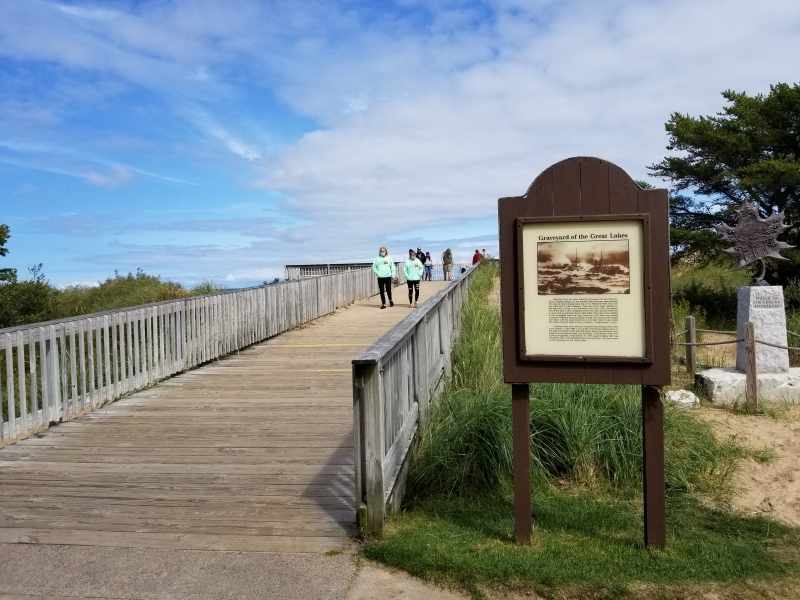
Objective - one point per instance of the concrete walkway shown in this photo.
(45, 571)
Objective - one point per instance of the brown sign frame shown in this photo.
(587, 189)
(647, 283)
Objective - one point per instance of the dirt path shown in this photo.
(771, 489)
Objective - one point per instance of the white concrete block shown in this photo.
(725, 386)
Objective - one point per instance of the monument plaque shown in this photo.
(754, 238)
(763, 307)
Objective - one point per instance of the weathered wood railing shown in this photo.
(52, 371)
(304, 271)
(393, 382)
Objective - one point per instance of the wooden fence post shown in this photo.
(374, 447)
(751, 377)
(691, 351)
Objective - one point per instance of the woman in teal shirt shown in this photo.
(384, 269)
(413, 269)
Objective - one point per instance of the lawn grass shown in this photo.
(586, 545)
(457, 528)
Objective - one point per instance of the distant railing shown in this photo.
(52, 371)
(304, 271)
(393, 382)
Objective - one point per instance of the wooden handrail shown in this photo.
(394, 381)
(55, 370)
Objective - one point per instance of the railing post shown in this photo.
(691, 351)
(358, 444)
(422, 369)
(751, 376)
(374, 448)
(45, 362)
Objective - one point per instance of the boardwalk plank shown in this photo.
(252, 452)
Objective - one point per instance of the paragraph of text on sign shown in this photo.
(582, 319)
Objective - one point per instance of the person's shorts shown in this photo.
(447, 268)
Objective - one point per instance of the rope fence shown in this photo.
(750, 340)
(736, 341)
(716, 331)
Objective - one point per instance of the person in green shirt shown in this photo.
(447, 264)
(413, 269)
(385, 271)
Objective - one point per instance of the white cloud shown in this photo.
(93, 14)
(115, 176)
(461, 119)
(208, 125)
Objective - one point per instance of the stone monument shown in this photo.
(755, 239)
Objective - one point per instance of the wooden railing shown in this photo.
(52, 371)
(394, 380)
(304, 271)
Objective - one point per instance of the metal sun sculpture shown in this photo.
(755, 238)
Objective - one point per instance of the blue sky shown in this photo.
(219, 140)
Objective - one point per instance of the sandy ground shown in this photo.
(772, 489)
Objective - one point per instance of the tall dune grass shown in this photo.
(584, 435)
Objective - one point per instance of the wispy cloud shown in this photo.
(114, 177)
(211, 128)
(93, 14)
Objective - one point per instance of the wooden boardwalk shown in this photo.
(253, 452)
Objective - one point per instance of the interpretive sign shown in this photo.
(584, 287)
(585, 278)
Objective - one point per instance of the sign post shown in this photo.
(520, 418)
(585, 299)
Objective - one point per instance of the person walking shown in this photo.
(428, 267)
(476, 258)
(447, 264)
(412, 269)
(385, 271)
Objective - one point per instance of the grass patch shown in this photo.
(585, 546)
(586, 471)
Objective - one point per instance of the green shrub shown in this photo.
(208, 287)
(116, 292)
(711, 290)
(791, 294)
(23, 302)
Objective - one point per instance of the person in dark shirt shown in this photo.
(476, 258)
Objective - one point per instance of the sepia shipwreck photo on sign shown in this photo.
(583, 267)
